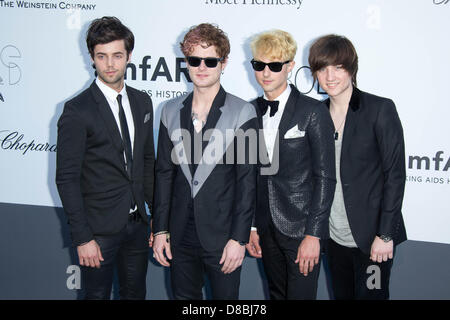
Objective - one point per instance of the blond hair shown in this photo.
(275, 45)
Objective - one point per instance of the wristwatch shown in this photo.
(385, 238)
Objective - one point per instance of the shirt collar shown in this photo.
(110, 93)
(219, 99)
(354, 100)
(282, 98)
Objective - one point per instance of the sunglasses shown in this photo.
(273, 66)
(209, 62)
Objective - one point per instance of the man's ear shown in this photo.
(224, 64)
(291, 66)
(92, 62)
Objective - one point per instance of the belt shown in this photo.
(134, 216)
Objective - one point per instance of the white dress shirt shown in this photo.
(271, 124)
(111, 97)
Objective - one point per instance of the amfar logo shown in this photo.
(160, 70)
(424, 162)
(441, 1)
(145, 71)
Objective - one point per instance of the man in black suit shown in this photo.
(366, 220)
(105, 168)
(205, 182)
(293, 204)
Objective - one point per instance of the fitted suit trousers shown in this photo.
(279, 253)
(189, 266)
(354, 276)
(128, 250)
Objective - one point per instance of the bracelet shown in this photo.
(161, 232)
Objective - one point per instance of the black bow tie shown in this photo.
(264, 104)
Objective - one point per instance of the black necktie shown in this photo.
(125, 135)
(264, 104)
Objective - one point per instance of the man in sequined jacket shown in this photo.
(293, 202)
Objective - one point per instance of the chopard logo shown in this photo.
(12, 140)
(438, 2)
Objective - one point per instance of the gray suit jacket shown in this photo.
(221, 188)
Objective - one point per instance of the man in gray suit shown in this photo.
(205, 182)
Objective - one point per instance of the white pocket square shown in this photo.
(294, 132)
(147, 117)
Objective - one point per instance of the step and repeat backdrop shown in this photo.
(403, 51)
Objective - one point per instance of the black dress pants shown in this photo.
(189, 265)
(126, 250)
(279, 253)
(354, 276)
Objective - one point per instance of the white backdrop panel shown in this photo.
(402, 45)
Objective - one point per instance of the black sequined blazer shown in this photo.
(295, 190)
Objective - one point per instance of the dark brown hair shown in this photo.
(206, 34)
(332, 50)
(108, 29)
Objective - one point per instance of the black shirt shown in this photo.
(190, 238)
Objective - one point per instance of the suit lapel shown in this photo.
(138, 122)
(349, 129)
(110, 122)
(288, 114)
(263, 155)
(351, 121)
(186, 124)
(213, 118)
(181, 123)
(218, 140)
(285, 124)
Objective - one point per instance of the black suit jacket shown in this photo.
(221, 193)
(372, 169)
(94, 186)
(298, 197)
